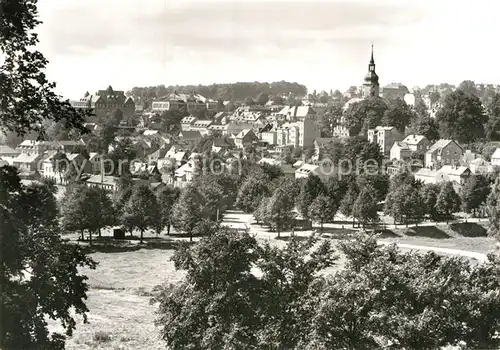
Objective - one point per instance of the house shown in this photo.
(202, 126)
(8, 152)
(245, 138)
(185, 174)
(495, 158)
(180, 102)
(480, 166)
(95, 162)
(417, 143)
(158, 154)
(157, 186)
(443, 152)
(298, 134)
(269, 137)
(27, 163)
(324, 171)
(37, 147)
(399, 151)
(190, 137)
(385, 136)
(186, 122)
(426, 175)
(393, 91)
(221, 144)
(269, 161)
(453, 173)
(57, 170)
(104, 181)
(294, 113)
(69, 146)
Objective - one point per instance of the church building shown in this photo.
(371, 86)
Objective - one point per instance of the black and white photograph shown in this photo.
(249, 174)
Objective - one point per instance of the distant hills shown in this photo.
(227, 92)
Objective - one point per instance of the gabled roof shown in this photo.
(426, 172)
(190, 135)
(188, 120)
(322, 141)
(223, 142)
(307, 168)
(4, 149)
(401, 145)
(244, 133)
(26, 158)
(414, 139)
(93, 155)
(440, 144)
(496, 154)
(203, 123)
(106, 179)
(454, 170)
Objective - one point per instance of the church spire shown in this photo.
(372, 61)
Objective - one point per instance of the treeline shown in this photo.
(227, 92)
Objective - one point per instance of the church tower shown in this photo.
(370, 85)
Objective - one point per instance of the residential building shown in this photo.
(385, 137)
(180, 102)
(95, 162)
(495, 158)
(186, 122)
(57, 171)
(108, 182)
(269, 137)
(202, 126)
(37, 147)
(69, 146)
(417, 143)
(158, 154)
(298, 134)
(222, 144)
(393, 91)
(480, 166)
(456, 174)
(27, 163)
(323, 171)
(443, 152)
(104, 102)
(297, 113)
(190, 137)
(427, 176)
(399, 151)
(320, 145)
(245, 138)
(8, 152)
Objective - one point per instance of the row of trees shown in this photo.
(227, 92)
(240, 294)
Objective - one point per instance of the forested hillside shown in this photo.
(233, 92)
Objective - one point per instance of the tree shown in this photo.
(365, 206)
(430, 193)
(493, 208)
(448, 201)
(249, 101)
(311, 188)
(87, 208)
(361, 154)
(226, 306)
(347, 202)
(166, 198)
(426, 126)
(398, 114)
(279, 210)
(380, 182)
(404, 203)
(336, 188)
(26, 96)
(142, 210)
(475, 193)
(187, 212)
(364, 115)
(493, 126)
(31, 242)
(461, 117)
(278, 100)
(250, 194)
(262, 99)
(322, 210)
(468, 87)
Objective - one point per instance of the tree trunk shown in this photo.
(168, 229)
(83, 235)
(190, 235)
(99, 232)
(142, 235)
(321, 227)
(90, 237)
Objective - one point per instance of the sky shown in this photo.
(322, 44)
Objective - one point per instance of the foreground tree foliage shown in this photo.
(26, 96)
(39, 275)
(238, 294)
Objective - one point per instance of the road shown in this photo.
(239, 220)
